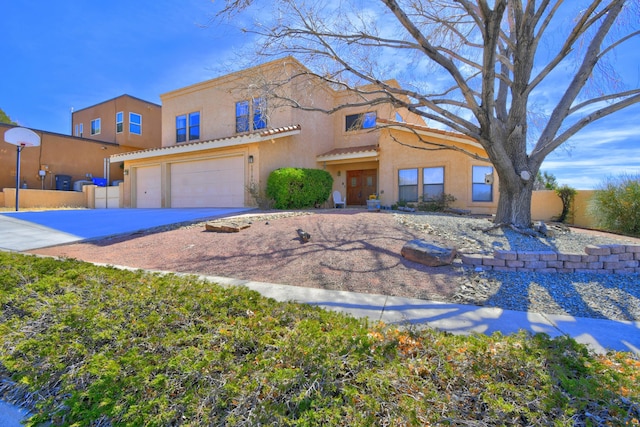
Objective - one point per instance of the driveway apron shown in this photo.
(22, 231)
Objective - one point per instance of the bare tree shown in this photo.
(520, 77)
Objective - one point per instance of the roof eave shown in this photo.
(205, 145)
(372, 154)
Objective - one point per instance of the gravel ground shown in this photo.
(613, 296)
(359, 251)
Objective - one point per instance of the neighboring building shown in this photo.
(225, 134)
(125, 120)
(76, 159)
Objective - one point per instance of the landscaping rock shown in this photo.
(427, 253)
(225, 227)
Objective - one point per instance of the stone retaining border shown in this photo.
(604, 259)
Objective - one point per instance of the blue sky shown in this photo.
(58, 55)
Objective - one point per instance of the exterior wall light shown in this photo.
(250, 159)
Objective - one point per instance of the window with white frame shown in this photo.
(408, 185)
(432, 183)
(251, 115)
(360, 121)
(482, 184)
(119, 122)
(95, 127)
(81, 130)
(135, 123)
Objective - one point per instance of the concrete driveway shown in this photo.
(22, 231)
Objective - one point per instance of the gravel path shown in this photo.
(359, 251)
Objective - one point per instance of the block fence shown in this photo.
(605, 259)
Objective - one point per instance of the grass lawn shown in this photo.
(101, 346)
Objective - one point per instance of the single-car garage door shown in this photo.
(148, 187)
(208, 183)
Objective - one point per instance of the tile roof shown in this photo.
(426, 129)
(213, 143)
(350, 150)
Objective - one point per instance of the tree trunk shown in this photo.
(514, 205)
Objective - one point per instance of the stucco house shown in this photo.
(124, 120)
(223, 135)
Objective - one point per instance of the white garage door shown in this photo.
(208, 183)
(148, 187)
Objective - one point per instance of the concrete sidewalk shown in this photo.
(598, 334)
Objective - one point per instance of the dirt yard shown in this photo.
(351, 250)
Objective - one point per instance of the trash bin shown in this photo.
(63, 182)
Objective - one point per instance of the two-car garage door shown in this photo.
(203, 183)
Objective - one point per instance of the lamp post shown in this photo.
(21, 138)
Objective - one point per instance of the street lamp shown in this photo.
(20, 137)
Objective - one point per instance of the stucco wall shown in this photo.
(216, 99)
(44, 198)
(57, 155)
(547, 206)
(457, 170)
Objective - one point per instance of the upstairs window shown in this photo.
(95, 127)
(119, 122)
(360, 121)
(194, 126)
(135, 123)
(181, 128)
(188, 127)
(259, 114)
(432, 183)
(482, 183)
(251, 115)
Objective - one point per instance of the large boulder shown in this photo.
(427, 253)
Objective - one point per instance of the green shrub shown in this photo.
(566, 194)
(616, 206)
(296, 188)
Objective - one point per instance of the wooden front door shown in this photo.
(360, 185)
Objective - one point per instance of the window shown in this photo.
(242, 116)
(432, 183)
(135, 123)
(77, 132)
(194, 126)
(81, 130)
(360, 121)
(256, 110)
(192, 132)
(95, 127)
(259, 114)
(181, 128)
(482, 191)
(408, 185)
(119, 122)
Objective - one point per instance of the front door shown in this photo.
(360, 185)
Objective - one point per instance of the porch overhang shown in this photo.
(267, 135)
(428, 132)
(363, 153)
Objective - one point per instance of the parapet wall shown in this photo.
(605, 259)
